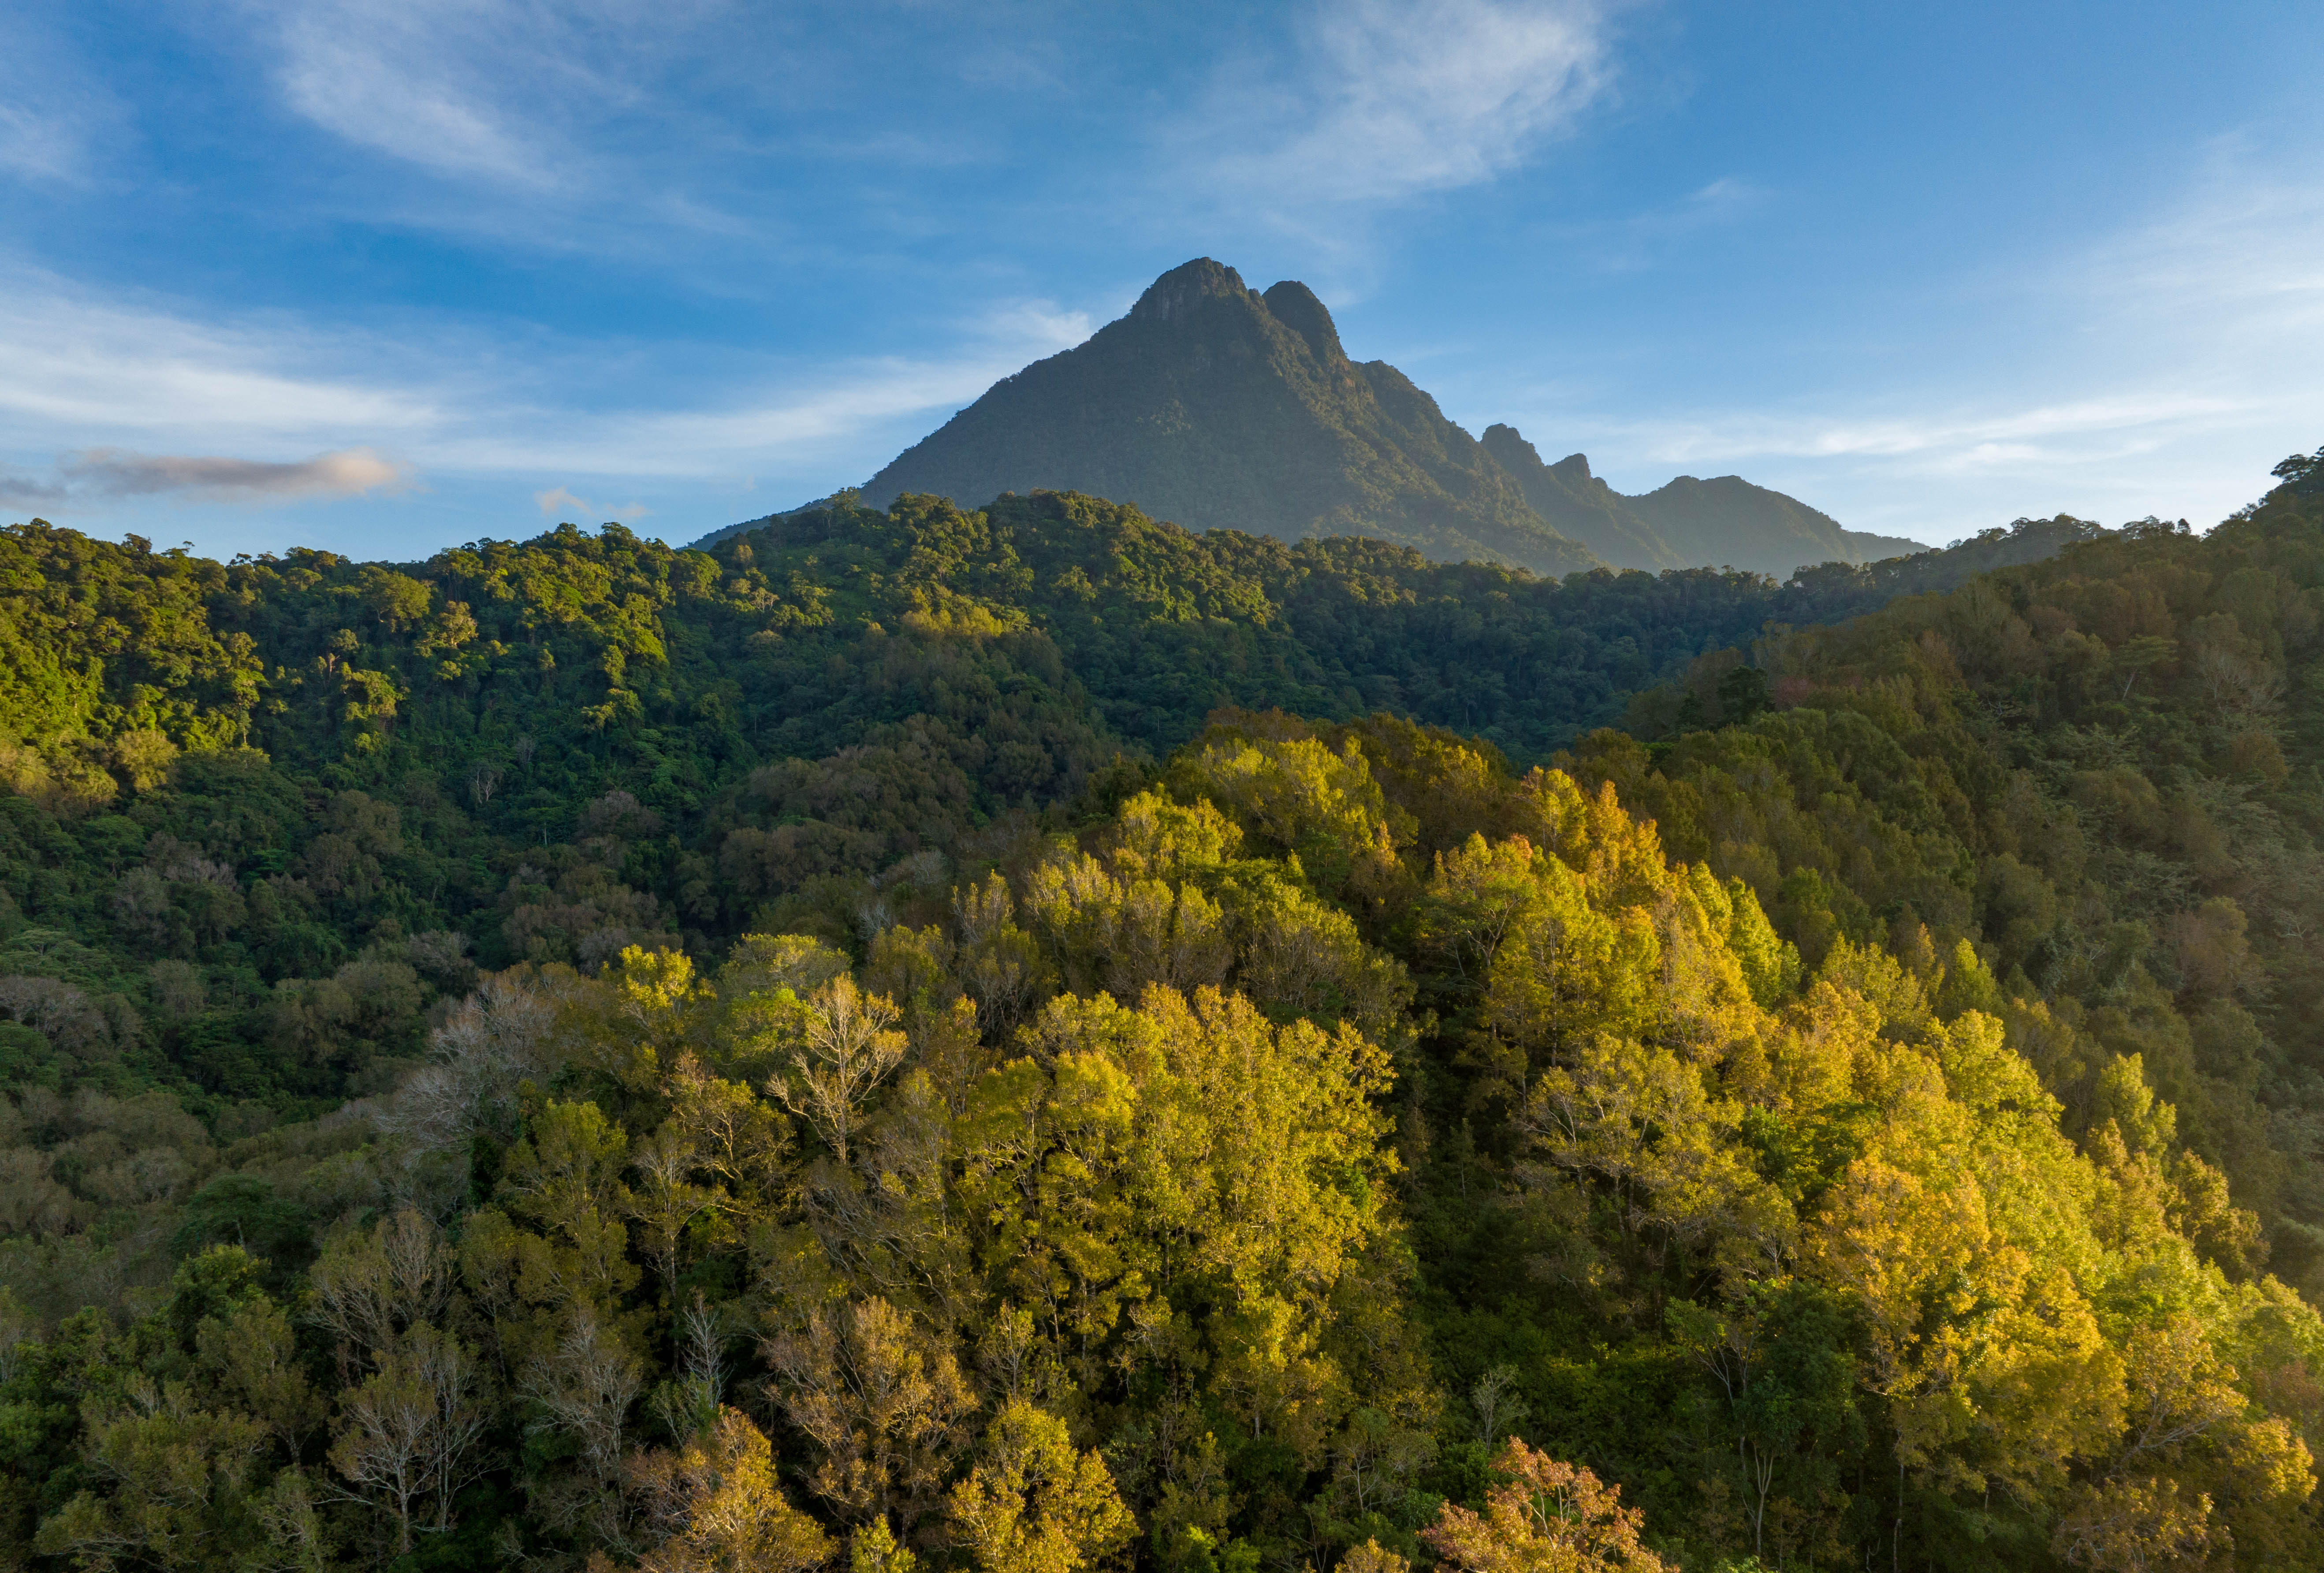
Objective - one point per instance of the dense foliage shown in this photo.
(2107, 769)
(838, 1051)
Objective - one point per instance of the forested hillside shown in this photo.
(1032, 1039)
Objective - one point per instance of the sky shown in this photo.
(382, 276)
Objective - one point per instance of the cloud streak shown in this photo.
(1961, 438)
(1388, 101)
(100, 475)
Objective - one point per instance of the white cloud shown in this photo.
(1390, 100)
(367, 100)
(400, 79)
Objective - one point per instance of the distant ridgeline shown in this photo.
(1216, 406)
(1037, 1038)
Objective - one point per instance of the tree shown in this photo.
(584, 1389)
(398, 600)
(407, 1434)
(850, 1048)
(255, 1356)
(1544, 1516)
(370, 1286)
(178, 1481)
(719, 1508)
(883, 1400)
(1033, 1504)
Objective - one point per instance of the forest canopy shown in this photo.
(1032, 1039)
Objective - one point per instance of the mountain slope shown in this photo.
(1214, 406)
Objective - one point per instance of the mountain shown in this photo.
(1730, 522)
(1216, 406)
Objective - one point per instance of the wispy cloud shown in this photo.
(560, 101)
(54, 118)
(2245, 250)
(1953, 439)
(1386, 100)
(82, 366)
(790, 416)
(34, 142)
(1629, 242)
(22, 490)
(557, 500)
(426, 81)
(2162, 368)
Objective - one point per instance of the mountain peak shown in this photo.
(1177, 293)
(1508, 444)
(1214, 406)
(1296, 306)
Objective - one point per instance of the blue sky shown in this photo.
(384, 275)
